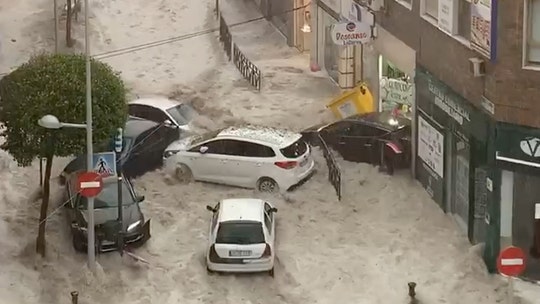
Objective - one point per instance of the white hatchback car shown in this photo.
(241, 236)
(264, 158)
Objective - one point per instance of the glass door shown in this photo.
(460, 199)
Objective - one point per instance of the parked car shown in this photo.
(241, 236)
(267, 159)
(161, 109)
(368, 138)
(144, 143)
(136, 229)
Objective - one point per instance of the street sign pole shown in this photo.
(510, 293)
(118, 142)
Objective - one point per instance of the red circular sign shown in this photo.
(511, 261)
(89, 184)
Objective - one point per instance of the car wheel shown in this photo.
(271, 272)
(183, 173)
(78, 244)
(267, 185)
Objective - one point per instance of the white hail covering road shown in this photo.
(385, 233)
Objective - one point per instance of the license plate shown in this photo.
(304, 162)
(239, 253)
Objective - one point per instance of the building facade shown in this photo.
(476, 75)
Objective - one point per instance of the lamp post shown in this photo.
(52, 122)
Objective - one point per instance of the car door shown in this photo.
(333, 135)
(247, 161)
(139, 157)
(379, 137)
(357, 143)
(209, 165)
(269, 221)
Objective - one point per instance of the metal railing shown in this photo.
(334, 171)
(249, 71)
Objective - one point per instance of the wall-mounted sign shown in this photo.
(351, 33)
(488, 105)
(447, 18)
(356, 12)
(431, 146)
(518, 145)
(374, 5)
(395, 92)
(484, 27)
(447, 103)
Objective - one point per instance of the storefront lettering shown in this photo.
(448, 105)
(350, 36)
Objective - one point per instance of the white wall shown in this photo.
(395, 50)
(507, 202)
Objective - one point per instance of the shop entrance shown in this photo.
(396, 89)
(459, 205)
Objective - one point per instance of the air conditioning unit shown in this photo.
(477, 66)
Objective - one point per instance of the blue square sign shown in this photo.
(105, 164)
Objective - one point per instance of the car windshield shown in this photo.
(240, 232)
(197, 139)
(182, 113)
(295, 150)
(108, 197)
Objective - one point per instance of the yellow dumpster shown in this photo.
(356, 101)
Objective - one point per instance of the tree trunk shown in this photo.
(40, 241)
(69, 41)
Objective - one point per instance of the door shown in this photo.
(270, 224)
(206, 166)
(250, 161)
(333, 134)
(359, 144)
(460, 199)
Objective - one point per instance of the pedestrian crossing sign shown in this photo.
(105, 164)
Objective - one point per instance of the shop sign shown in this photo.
(447, 103)
(396, 92)
(357, 13)
(484, 27)
(351, 33)
(518, 145)
(447, 18)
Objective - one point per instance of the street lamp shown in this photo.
(52, 122)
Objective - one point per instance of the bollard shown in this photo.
(74, 297)
(412, 292)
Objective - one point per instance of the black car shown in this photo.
(136, 230)
(144, 143)
(369, 138)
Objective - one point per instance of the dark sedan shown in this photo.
(144, 143)
(371, 138)
(136, 230)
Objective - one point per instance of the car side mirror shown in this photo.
(140, 198)
(210, 208)
(273, 209)
(203, 149)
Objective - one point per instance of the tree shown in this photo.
(56, 84)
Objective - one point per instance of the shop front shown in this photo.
(327, 51)
(517, 154)
(452, 149)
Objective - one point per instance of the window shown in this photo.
(340, 128)
(256, 150)
(182, 113)
(214, 147)
(464, 19)
(532, 32)
(406, 3)
(268, 222)
(430, 8)
(240, 232)
(295, 150)
(108, 197)
(215, 217)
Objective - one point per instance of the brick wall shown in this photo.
(514, 91)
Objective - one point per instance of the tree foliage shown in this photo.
(56, 84)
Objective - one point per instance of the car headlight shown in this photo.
(133, 226)
(170, 153)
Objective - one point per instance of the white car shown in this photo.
(267, 159)
(163, 110)
(241, 236)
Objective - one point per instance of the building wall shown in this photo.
(506, 84)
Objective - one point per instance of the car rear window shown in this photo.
(295, 150)
(240, 232)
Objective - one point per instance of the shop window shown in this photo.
(331, 56)
(531, 45)
(464, 19)
(430, 9)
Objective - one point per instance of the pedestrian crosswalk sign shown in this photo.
(105, 164)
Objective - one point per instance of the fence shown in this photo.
(249, 71)
(334, 172)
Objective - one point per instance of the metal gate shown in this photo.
(334, 171)
(250, 72)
